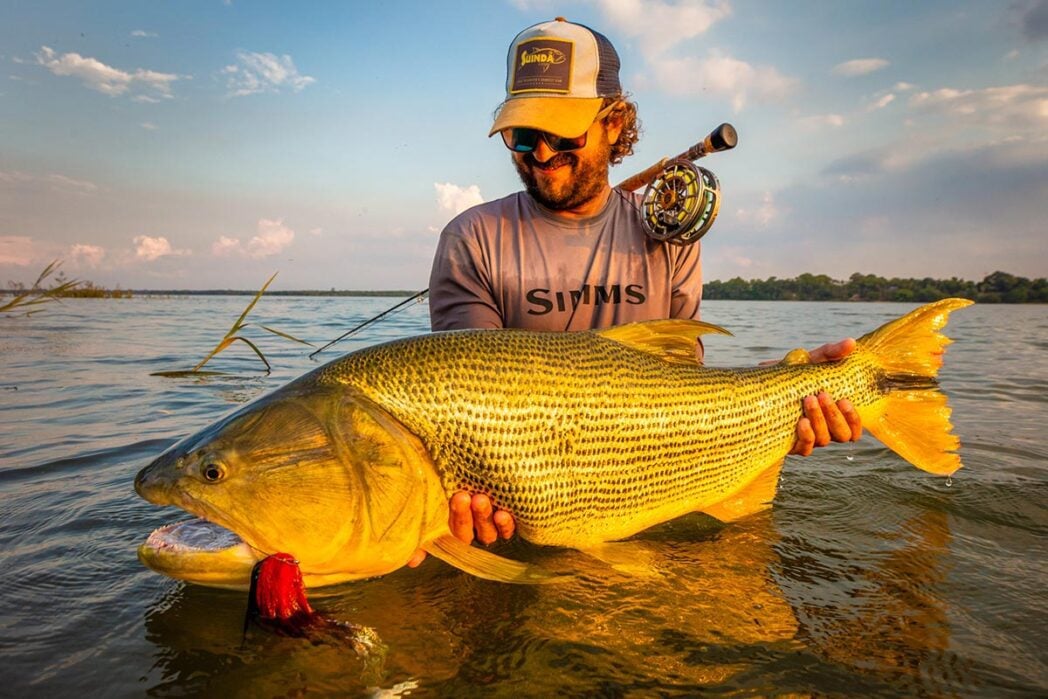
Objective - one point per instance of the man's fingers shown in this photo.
(805, 438)
(838, 427)
(505, 524)
(460, 520)
(825, 420)
(813, 411)
(482, 522)
(852, 416)
(832, 351)
(416, 559)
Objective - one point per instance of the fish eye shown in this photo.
(212, 472)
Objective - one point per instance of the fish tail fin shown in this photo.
(913, 418)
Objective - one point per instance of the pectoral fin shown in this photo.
(483, 564)
(751, 499)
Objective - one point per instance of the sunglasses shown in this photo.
(524, 140)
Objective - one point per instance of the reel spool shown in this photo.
(681, 203)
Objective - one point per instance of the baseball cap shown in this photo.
(557, 76)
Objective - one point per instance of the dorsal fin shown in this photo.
(672, 340)
(795, 357)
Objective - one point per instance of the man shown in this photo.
(570, 252)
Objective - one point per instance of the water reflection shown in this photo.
(201, 648)
(713, 596)
(725, 602)
(692, 625)
(879, 613)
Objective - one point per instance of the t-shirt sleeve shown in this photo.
(687, 283)
(687, 288)
(460, 290)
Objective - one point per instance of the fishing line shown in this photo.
(371, 320)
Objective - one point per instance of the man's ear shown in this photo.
(613, 127)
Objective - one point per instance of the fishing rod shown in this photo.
(680, 203)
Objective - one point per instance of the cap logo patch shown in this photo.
(542, 65)
(543, 57)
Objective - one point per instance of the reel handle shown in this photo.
(724, 137)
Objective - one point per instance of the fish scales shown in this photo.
(582, 438)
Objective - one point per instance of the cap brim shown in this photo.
(563, 116)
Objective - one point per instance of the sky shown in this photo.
(206, 144)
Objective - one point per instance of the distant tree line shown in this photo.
(999, 287)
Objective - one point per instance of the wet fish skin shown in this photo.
(585, 438)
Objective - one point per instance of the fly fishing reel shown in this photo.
(681, 199)
(681, 203)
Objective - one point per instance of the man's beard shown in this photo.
(588, 178)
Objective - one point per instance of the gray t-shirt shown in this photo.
(511, 263)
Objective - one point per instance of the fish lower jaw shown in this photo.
(201, 552)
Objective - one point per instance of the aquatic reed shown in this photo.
(233, 336)
(29, 300)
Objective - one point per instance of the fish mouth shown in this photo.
(201, 552)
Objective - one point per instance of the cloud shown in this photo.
(658, 25)
(84, 254)
(148, 126)
(818, 121)
(882, 102)
(455, 199)
(150, 249)
(53, 181)
(142, 33)
(16, 250)
(720, 74)
(1035, 21)
(763, 214)
(263, 72)
(1012, 106)
(960, 212)
(110, 81)
(272, 238)
(859, 66)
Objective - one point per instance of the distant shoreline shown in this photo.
(998, 287)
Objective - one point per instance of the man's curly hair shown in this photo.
(626, 111)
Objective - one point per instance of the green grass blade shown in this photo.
(183, 373)
(239, 322)
(286, 336)
(261, 356)
(223, 343)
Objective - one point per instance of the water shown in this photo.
(868, 577)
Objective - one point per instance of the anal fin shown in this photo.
(484, 564)
(753, 498)
(629, 557)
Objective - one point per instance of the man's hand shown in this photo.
(474, 515)
(825, 420)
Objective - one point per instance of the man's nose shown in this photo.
(542, 152)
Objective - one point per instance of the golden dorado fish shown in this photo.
(584, 437)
